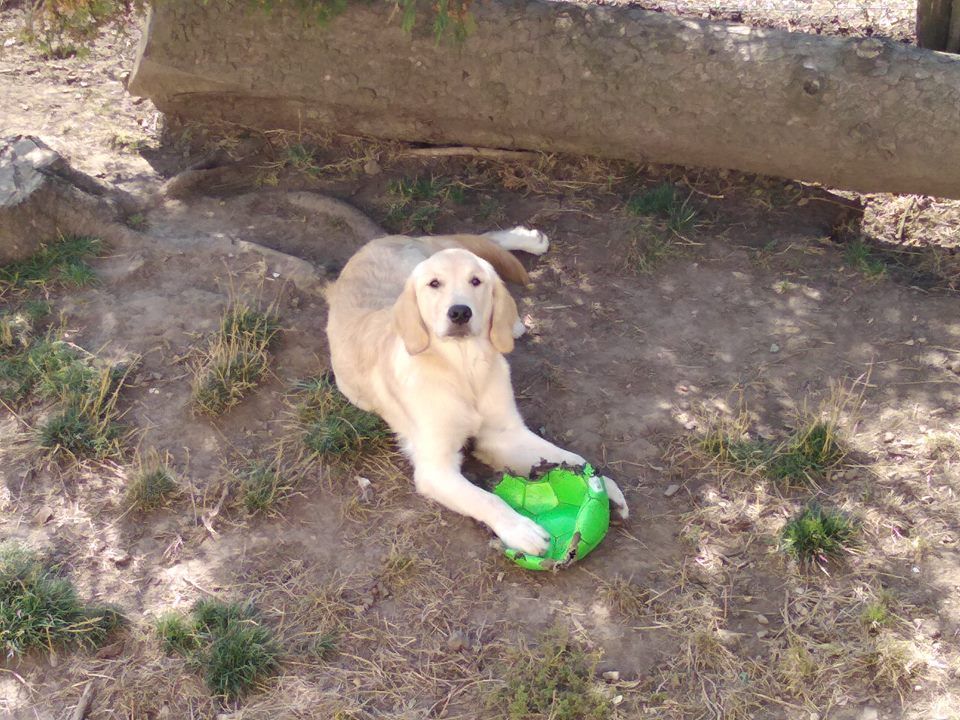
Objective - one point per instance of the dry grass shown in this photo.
(236, 359)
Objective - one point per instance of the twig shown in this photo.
(83, 707)
(465, 151)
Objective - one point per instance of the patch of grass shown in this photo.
(85, 423)
(301, 158)
(817, 535)
(333, 427)
(236, 359)
(261, 486)
(646, 255)
(225, 642)
(176, 634)
(664, 202)
(810, 451)
(813, 449)
(138, 222)
(656, 201)
(417, 202)
(554, 680)
(61, 261)
(425, 188)
(39, 610)
(152, 485)
(861, 257)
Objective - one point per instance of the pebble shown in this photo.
(762, 633)
(762, 619)
(870, 713)
(671, 490)
(43, 515)
(372, 167)
(888, 437)
(774, 348)
(612, 676)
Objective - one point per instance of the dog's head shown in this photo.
(454, 295)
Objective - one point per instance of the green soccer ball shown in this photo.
(569, 503)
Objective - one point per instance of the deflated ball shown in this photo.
(571, 504)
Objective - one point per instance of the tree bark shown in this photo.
(616, 82)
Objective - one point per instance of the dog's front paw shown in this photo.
(520, 533)
(616, 498)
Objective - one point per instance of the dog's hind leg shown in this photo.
(521, 238)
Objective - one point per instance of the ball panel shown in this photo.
(539, 498)
(512, 490)
(568, 487)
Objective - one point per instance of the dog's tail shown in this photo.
(503, 261)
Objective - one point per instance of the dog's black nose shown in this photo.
(459, 314)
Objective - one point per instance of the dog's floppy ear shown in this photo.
(408, 322)
(503, 318)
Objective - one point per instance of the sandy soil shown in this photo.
(756, 304)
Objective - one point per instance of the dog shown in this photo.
(418, 328)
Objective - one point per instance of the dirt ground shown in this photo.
(634, 345)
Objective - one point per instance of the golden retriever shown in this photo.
(418, 328)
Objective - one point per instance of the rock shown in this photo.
(888, 437)
(42, 196)
(372, 167)
(109, 652)
(43, 515)
(762, 619)
(870, 713)
(612, 676)
(762, 634)
(774, 348)
(122, 559)
(954, 366)
(671, 490)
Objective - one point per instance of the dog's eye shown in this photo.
(475, 281)
(434, 283)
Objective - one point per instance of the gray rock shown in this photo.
(41, 196)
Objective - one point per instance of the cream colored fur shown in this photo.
(395, 352)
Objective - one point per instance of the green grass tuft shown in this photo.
(39, 610)
(177, 634)
(152, 485)
(261, 486)
(226, 642)
(240, 657)
(332, 426)
(62, 261)
(236, 360)
(646, 255)
(656, 201)
(418, 203)
(85, 424)
(810, 452)
(806, 455)
(555, 680)
(861, 257)
(665, 202)
(816, 535)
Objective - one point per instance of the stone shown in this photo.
(762, 619)
(612, 676)
(671, 490)
(41, 196)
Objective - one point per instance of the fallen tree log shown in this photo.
(863, 114)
